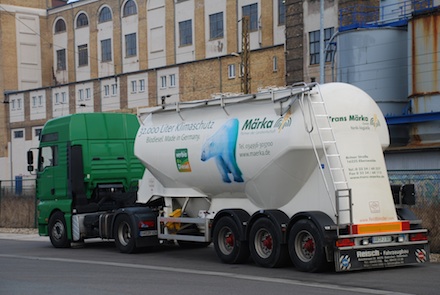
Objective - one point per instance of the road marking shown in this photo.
(213, 273)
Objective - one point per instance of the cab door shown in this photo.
(47, 168)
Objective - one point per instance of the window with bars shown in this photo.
(106, 90)
(37, 132)
(216, 25)
(61, 59)
(281, 12)
(130, 45)
(275, 63)
(60, 26)
(18, 134)
(185, 32)
(106, 50)
(105, 15)
(252, 12)
(133, 86)
(130, 8)
(163, 81)
(82, 21)
(81, 94)
(142, 85)
(173, 80)
(314, 45)
(83, 55)
(231, 71)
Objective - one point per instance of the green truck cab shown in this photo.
(86, 170)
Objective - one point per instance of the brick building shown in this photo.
(91, 56)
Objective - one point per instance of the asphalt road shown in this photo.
(29, 265)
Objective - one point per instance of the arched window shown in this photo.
(130, 8)
(82, 20)
(105, 15)
(60, 26)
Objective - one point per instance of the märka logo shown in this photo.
(375, 121)
(285, 121)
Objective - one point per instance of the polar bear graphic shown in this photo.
(221, 146)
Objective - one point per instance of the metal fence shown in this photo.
(18, 203)
(426, 182)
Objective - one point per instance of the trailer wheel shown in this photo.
(306, 247)
(227, 242)
(58, 231)
(265, 245)
(124, 233)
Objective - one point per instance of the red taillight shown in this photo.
(146, 224)
(406, 225)
(345, 243)
(418, 237)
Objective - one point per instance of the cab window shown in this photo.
(48, 157)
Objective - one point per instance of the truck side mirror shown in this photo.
(30, 168)
(30, 158)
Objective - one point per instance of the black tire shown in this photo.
(265, 244)
(306, 247)
(58, 231)
(125, 234)
(227, 243)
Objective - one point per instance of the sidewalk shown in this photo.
(21, 234)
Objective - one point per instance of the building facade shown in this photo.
(388, 48)
(106, 56)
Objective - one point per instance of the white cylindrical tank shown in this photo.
(247, 150)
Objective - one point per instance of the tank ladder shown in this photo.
(321, 119)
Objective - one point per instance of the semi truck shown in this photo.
(292, 175)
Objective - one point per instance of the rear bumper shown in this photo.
(361, 257)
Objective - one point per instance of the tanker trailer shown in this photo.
(293, 174)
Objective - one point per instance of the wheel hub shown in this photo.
(229, 240)
(263, 243)
(124, 233)
(58, 230)
(305, 246)
(309, 245)
(267, 242)
(226, 240)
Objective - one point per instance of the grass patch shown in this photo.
(17, 211)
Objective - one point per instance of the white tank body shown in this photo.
(247, 154)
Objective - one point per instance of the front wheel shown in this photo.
(265, 245)
(227, 242)
(125, 234)
(58, 231)
(306, 247)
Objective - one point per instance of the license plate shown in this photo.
(148, 233)
(382, 239)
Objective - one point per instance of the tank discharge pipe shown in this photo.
(301, 106)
